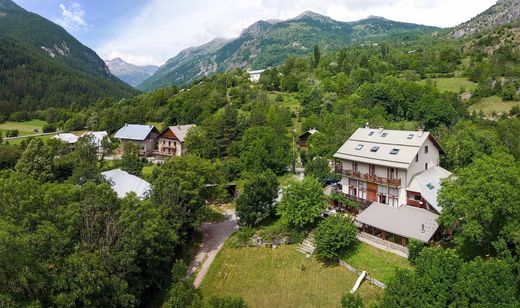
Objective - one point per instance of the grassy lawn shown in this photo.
(378, 263)
(281, 277)
(24, 128)
(493, 103)
(453, 84)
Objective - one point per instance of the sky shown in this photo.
(152, 31)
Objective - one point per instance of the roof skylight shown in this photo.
(409, 136)
(430, 186)
(359, 147)
(371, 133)
(384, 134)
(394, 151)
(374, 149)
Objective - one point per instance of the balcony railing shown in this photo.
(367, 177)
(363, 202)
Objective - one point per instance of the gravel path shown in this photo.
(214, 236)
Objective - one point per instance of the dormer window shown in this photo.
(394, 151)
(374, 149)
(359, 147)
(410, 136)
(371, 134)
(384, 134)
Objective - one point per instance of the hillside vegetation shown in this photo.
(41, 65)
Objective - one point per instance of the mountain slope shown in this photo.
(41, 65)
(130, 73)
(503, 12)
(268, 43)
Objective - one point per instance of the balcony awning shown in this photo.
(405, 221)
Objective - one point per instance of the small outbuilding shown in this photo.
(303, 139)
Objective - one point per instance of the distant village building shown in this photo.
(171, 141)
(142, 135)
(396, 176)
(97, 138)
(254, 76)
(124, 183)
(68, 138)
(303, 139)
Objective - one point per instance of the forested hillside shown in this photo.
(41, 65)
(268, 43)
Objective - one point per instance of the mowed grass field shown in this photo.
(281, 277)
(378, 263)
(24, 128)
(493, 104)
(453, 84)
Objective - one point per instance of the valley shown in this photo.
(368, 163)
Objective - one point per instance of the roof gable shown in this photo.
(177, 132)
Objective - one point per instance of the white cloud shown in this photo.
(165, 27)
(72, 17)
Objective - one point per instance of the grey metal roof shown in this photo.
(405, 221)
(134, 132)
(181, 131)
(97, 137)
(428, 184)
(405, 145)
(124, 183)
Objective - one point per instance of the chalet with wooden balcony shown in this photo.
(171, 141)
(142, 135)
(393, 169)
(303, 139)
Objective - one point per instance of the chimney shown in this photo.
(381, 129)
(421, 132)
(366, 125)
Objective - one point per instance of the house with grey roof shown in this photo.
(171, 141)
(124, 183)
(395, 176)
(97, 138)
(142, 135)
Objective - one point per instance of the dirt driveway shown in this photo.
(214, 236)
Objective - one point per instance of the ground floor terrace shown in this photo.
(396, 225)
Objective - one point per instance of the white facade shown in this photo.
(378, 165)
(254, 76)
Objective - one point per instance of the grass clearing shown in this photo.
(453, 84)
(491, 104)
(378, 263)
(24, 128)
(281, 277)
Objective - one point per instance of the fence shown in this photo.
(373, 281)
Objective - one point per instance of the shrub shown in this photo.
(242, 236)
(334, 235)
(49, 128)
(350, 300)
(11, 133)
(227, 302)
(414, 249)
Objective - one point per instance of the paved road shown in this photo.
(214, 236)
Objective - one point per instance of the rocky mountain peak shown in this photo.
(503, 12)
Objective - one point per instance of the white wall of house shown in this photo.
(431, 158)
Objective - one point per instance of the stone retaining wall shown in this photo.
(373, 281)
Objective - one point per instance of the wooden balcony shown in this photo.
(368, 178)
(362, 202)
